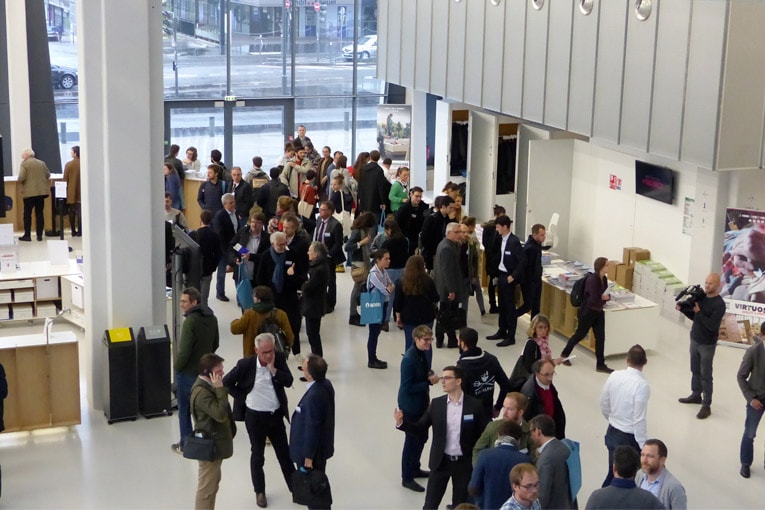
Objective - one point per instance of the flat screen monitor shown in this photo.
(654, 181)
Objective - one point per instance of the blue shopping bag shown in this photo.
(244, 289)
(372, 307)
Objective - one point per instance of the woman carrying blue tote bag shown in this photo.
(379, 287)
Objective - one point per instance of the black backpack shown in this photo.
(269, 325)
(577, 291)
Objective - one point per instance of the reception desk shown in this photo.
(43, 381)
(627, 323)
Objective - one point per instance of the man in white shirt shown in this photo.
(257, 384)
(624, 403)
(656, 478)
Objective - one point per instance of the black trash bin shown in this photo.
(120, 387)
(154, 390)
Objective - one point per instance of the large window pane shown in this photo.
(327, 122)
(197, 127)
(258, 131)
(61, 19)
(366, 125)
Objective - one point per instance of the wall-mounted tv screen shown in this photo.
(654, 181)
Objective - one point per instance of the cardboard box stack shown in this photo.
(655, 282)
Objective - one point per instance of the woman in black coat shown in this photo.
(315, 294)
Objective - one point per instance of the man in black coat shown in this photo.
(510, 271)
(314, 300)
(248, 244)
(329, 232)
(410, 217)
(447, 459)
(374, 188)
(270, 193)
(532, 283)
(263, 414)
(243, 195)
(490, 238)
(210, 246)
(434, 229)
(482, 372)
(225, 224)
(312, 432)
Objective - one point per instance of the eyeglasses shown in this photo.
(530, 486)
(447, 377)
(426, 338)
(549, 374)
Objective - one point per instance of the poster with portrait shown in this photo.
(743, 274)
(394, 131)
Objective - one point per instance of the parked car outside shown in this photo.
(63, 77)
(366, 49)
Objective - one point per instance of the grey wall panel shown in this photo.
(493, 48)
(610, 66)
(638, 80)
(743, 94)
(702, 93)
(512, 68)
(422, 49)
(408, 39)
(455, 67)
(393, 58)
(669, 78)
(584, 40)
(535, 63)
(439, 46)
(558, 64)
(383, 25)
(5, 107)
(473, 75)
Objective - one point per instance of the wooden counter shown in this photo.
(16, 214)
(43, 381)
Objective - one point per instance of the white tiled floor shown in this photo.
(130, 464)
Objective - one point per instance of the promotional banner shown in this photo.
(743, 275)
(394, 130)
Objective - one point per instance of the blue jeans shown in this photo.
(374, 334)
(410, 455)
(220, 278)
(183, 384)
(409, 339)
(753, 417)
(615, 438)
(702, 356)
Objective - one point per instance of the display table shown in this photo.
(43, 381)
(627, 323)
(34, 291)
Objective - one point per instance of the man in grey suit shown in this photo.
(447, 276)
(554, 487)
(751, 380)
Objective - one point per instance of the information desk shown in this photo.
(43, 381)
(627, 324)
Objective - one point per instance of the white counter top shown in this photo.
(40, 269)
(59, 337)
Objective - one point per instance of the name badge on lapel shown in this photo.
(468, 417)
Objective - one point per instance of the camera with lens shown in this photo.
(689, 296)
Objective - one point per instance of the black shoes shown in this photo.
(355, 320)
(604, 369)
(385, 327)
(493, 309)
(378, 364)
(690, 399)
(745, 471)
(704, 412)
(222, 298)
(413, 486)
(496, 336)
(507, 341)
(25, 238)
(260, 500)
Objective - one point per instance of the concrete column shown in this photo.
(419, 140)
(18, 82)
(121, 118)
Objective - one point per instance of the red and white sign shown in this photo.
(614, 182)
(287, 4)
(316, 6)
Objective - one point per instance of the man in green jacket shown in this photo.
(34, 178)
(212, 414)
(199, 336)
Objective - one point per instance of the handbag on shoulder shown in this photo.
(199, 446)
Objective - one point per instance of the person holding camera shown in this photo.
(707, 314)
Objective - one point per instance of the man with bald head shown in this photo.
(707, 315)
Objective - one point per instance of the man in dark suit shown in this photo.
(248, 244)
(329, 232)
(447, 276)
(532, 282)
(225, 224)
(554, 489)
(410, 217)
(449, 452)
(263, 409)
(210, 246)
(490, 238)
(243, 194)
(434, 229)
(312, 432)
(374, 188)
(510, 271)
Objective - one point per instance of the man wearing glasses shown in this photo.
(554, 488)
(525, 483)
(457, 420)
(543, 396)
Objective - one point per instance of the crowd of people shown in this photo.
(501, 440)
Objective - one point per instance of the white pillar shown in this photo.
(18, 81)
(121, 101)
(419, 140)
